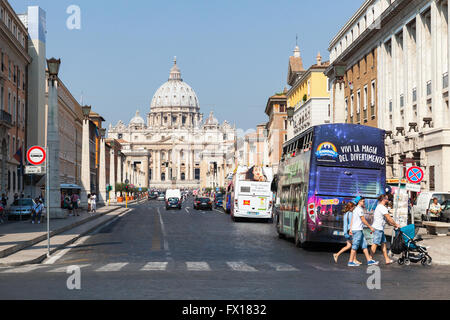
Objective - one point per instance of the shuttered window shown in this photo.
(334, 181)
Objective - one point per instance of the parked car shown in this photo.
(153, 195)
(173, 203)
(21, 207)
(423, 202)
(202, 203)
(161, 196)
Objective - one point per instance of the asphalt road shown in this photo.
(151, 253)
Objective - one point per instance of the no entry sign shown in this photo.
(415, 175)
(36, 156)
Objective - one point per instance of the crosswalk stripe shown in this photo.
(198, 266)
(282, 267)
(23, 269)
(155, 266)
(112, 267)
(326, 269)
(64, 269)
(241, 266)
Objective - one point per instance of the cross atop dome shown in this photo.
(175, 73)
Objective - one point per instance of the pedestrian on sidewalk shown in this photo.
(74, 200)
(94, 203)
(4, 200)
(37, 211)
(380, 217)
(89, 202)
(348, 209)
(356, 231)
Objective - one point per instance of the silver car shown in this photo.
(21, 207)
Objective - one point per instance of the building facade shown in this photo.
(410, 44)
(276, 110)
(175, 147)
(13, 99)
(310, 98)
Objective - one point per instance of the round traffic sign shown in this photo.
(36, 155)
(415, 175)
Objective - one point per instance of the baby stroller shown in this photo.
(411, 252)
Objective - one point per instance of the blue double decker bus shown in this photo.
(321, 170)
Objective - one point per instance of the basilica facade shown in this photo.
(175, 146)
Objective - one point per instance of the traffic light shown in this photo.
(127, 188)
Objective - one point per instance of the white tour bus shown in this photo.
(251, 195)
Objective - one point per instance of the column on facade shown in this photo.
(437, 64)
(119, 168)
(85, 165)
(112, 174)
(145, 168)
(102, 173)
(157, 165)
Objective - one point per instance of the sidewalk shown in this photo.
(24, 243)
(439, 247)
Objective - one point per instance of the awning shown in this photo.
(70, 186)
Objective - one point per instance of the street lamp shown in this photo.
(53, 67)
(52, 162)
(102, 133)
(86, 111)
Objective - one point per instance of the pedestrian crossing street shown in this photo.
(165, 266)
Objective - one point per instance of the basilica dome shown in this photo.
(137, 120)
(175, 92)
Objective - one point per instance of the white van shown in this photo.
(423, 202)
(173, 193)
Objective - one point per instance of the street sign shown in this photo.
(414, 187)
(415, 175)
(34, 170)
(36, 155)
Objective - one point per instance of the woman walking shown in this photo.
(348, 209)
(94, 203)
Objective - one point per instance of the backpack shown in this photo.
(398, 245)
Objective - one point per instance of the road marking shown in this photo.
(198, 266)
(282, 267)
(64, 269)
(155, 266)
(241, 266)
(187, 210)
(163, 229)
(112, 267)
(156, 239)
(218, 211)
(327, 269)
(24, 269)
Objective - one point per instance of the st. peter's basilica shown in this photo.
(175, 145)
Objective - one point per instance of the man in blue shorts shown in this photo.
(380, 217)
(356, 230)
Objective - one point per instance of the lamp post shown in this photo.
(85, 158)
(52, 174)
(112, 171)
(102, 173)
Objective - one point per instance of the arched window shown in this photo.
(163, 176)
(183, 176)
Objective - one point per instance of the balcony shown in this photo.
(6, 119)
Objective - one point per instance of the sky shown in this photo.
(234, 54)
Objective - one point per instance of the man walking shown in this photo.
(380, 217)
(37, 211)
(356, 230)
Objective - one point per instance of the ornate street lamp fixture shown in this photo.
(290, 112)
(53, 67)
(86, 111)
(102, 132)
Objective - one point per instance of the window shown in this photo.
(372, 99)
(197, 174)
(2, 103)
(346, 109)
(366, 102)
(358, 102)
(163, 176)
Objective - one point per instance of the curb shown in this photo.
(23, 245)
